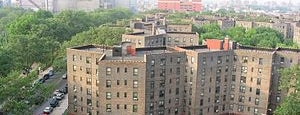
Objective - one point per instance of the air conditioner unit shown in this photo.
(135, 99)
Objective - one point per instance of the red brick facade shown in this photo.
(180, 5)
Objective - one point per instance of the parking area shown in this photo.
(63, 103)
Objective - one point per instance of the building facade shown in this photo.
(180, 5)
(220, 77)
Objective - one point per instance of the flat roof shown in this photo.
(92, 48)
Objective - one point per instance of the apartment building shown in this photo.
(296, 36)
(245, 24)
(220, 77)
(179, 27)
(226, 23)
(180, 5)
(142, 39)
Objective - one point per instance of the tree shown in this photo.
(290, 81)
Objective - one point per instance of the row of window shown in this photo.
(87, 70)
(109, 71)
(134, 95)
(134, 83)
(109, 107)
(88, 60)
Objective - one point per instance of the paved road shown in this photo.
(60, 83)
(62, 107)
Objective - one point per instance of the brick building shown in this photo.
(220, 77)
(180, 5)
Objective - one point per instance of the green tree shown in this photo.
(290, 81)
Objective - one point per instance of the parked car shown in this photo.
(42, 80)
(48, 110)
(59, 96)
(64, 76)
(46, 76)
(54, 102)
(51, 72)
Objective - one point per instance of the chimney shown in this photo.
(226, 44)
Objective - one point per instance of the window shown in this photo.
(258, 82)
(233, 78)
(256, 101)
(152, 74)
(243, 79)
(241, 108)
(235, 58)
(227, 58)
(74, 58)
(192, 60)
(219, 61)
(177, 91)
(242, 89)
(281, 59)
(219, 70)
(232, 97)
(108, 107)
(161, 93)
(89, 91)
(88, 60)
(134, 108)
(255, 111)
(232, 87)
(135, 83)
(245, 59)
(226, 68)
(178, 70)
(118, 82)
(244, 69)
(89, 102)
(135, 96)
(161, 103)
(152, 62)
(118, 106)
(257, 91)
(108, 83)
(231, 107)
(152, 84)
(234, 68)
(97, 93)
(108, 95)
(74, 67)
(125, 94)
(118, 94)
(108, 71)
(135, 71)
(125, 82)
(178, 60)
(89, 81)
(88, 71)
(125, 70)
(204, 61)
(260, 61)
(241, 98)
(259, 70)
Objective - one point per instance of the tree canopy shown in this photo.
(290, 82)
(260, 36)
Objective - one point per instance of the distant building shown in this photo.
(285, 29)
(296, 36)
(226, 23)
(245, 24)
(144, 5)
(180, 5)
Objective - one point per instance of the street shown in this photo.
(60, 83)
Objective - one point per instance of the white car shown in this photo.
(59, 96)
(48, 110)
(64, 76)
